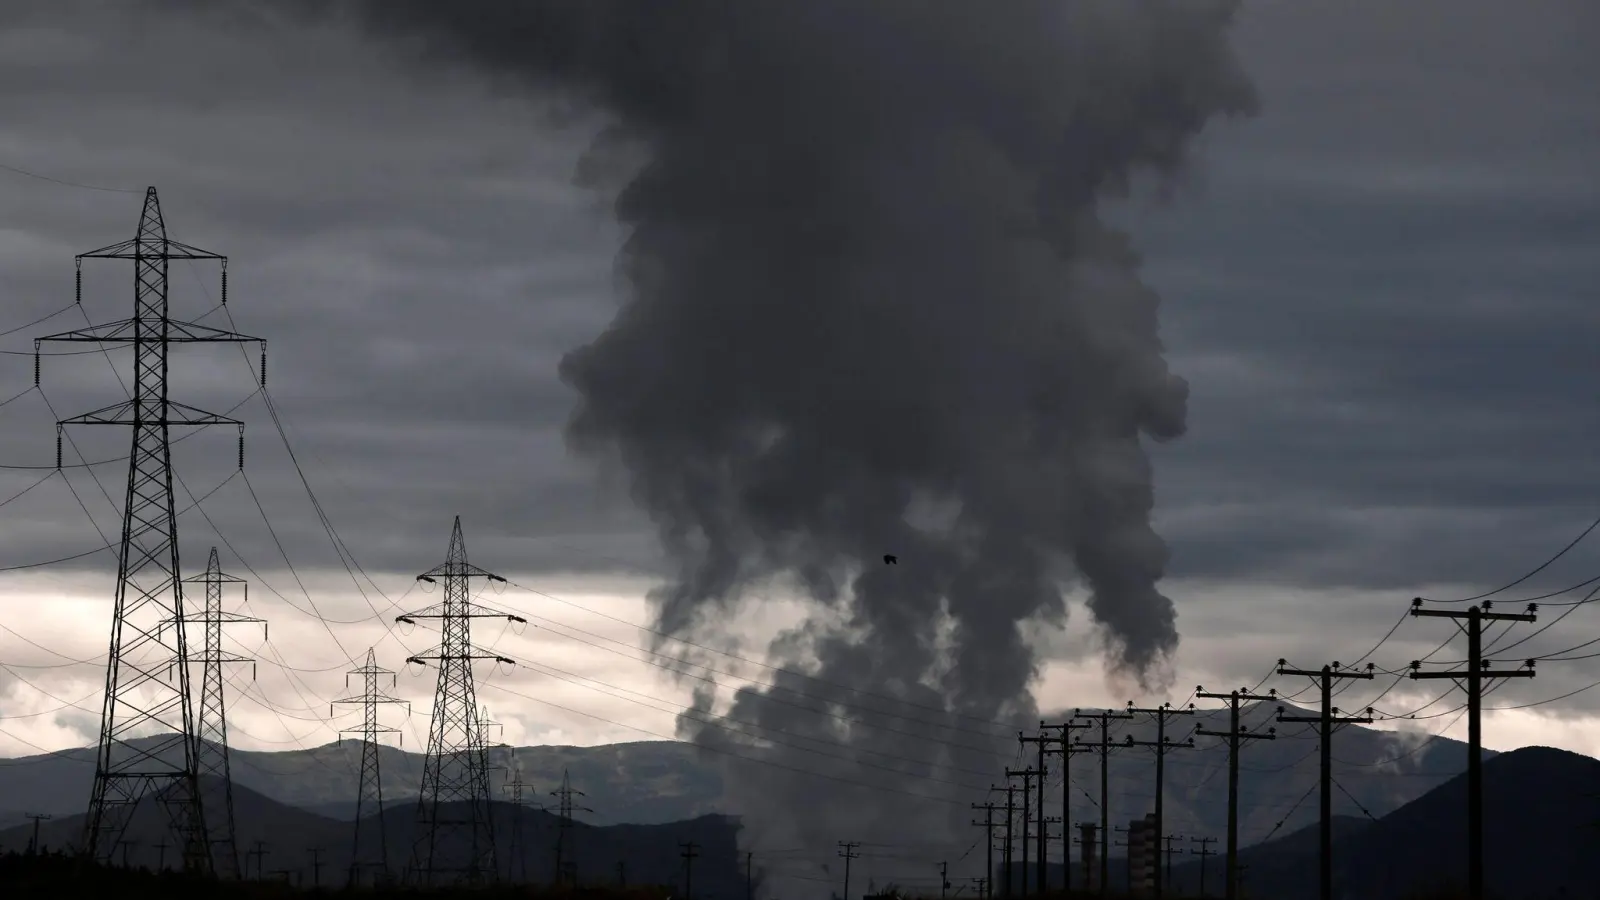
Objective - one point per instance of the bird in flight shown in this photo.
(890, 559)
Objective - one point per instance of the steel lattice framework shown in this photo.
(369, 792)
(566, 854)
(147, 691)
(455, 832)
(216, 778)
(516, 787)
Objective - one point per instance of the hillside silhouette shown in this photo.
(657, 782)
(289, 836)
(1539, 810)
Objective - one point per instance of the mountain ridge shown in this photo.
(655, 782)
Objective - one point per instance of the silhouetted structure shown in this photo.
(1103, 747)
(1234, 736)
(1326, 722)
(455, 833)
(566, 871)
(1472, 680)
(216, 778)
(147, 673)
(369, 789)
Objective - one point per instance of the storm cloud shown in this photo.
(1377, 291)
(872, 311)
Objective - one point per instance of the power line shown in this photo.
(1535, 571)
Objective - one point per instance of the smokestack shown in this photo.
(873, 309)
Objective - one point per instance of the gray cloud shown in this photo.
(872, 309)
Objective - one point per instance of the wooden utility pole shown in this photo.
(1472, 681)
(847, 850)
(983, 887)
(1027, 776)
(1064, 749)
(33, 842)
(161, 854)
(1005, 856)
(1167, 861)
(1105, 718)
(1204, 852)
(689, 851)
(749, 876)
(1161, 745)
(127, 845)
(1235, 736)
(622, 874)
(944, 879)
(989, 825)
(316, 866)
(1042, 741)
(1326, 722)
(260, 853)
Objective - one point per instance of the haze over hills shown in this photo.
(648, 782)
(656, 782)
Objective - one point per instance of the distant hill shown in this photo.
(1539, 806)
(289, 836)
(652, 782)
(645, 782)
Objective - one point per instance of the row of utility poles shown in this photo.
(1058, 740)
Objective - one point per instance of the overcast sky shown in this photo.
(1379, 289)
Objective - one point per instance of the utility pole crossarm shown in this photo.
(1484, 613)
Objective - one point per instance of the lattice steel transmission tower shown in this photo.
(216, 778)
(566, 855)
(147, 692)
(369, 792)
(455, 831)
(517, 788)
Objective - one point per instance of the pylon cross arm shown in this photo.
(459, 569)
(127, 413)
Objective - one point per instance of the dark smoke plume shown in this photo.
(874, 310)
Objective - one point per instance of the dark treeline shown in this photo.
(51, 876)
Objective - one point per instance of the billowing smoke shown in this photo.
(873, 309)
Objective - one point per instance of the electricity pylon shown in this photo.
(516, 787)
(369, 791)
(455, 831)
(147, 692)
(216, 786)
(566, 855)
